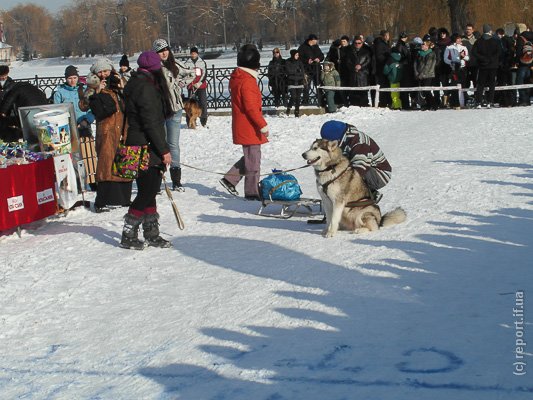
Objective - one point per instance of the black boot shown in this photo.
(130, 233)
(151, 232)
(203, 121)
(175, 175)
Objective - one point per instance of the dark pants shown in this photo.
(384, 97)
(279, 93)
(486, 77)
(295, 96)
(429, 100)
(148, 185)
(248, 165)
(201, 95)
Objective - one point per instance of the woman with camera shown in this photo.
(107, 105)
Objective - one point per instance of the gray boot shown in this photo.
(175, 176)
(151, 232)
(130, 233)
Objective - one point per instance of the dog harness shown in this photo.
(365, 201)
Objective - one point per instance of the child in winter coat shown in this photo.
(393, 72)
(330, 77)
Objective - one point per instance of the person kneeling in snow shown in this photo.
(365, 155)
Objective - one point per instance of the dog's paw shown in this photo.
(359, 231)
(327, 233)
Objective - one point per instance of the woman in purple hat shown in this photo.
(147, 107)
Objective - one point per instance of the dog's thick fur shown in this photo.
(338, 184)
(192, 111)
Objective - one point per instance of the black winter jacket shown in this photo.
(307, 53)
(486, 51)
(145, 115)
(295, 72)
(363, 56)
(347, 65)
(381, 54)
(22, 94)
(9, 83)
(276, 73)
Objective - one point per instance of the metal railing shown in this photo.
(218, 96)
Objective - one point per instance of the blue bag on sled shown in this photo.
(280, 186)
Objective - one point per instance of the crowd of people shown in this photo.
(477, 60)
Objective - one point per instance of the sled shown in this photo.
(287, 209)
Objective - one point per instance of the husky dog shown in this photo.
(192, 112)
(346, 199)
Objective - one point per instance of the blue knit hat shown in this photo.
(333, 130)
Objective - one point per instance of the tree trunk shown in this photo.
(459, 15)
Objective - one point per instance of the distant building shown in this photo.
(6, 51)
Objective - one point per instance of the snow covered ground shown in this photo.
(248, 307)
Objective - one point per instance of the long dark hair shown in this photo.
(170, 64)
(161, 83)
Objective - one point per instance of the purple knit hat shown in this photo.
(149, 60)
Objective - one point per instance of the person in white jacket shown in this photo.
(456, 56)
(177, 77)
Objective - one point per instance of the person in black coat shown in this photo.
(347, 70)
(311, 56)
(362, 66)
(295, 81)
(276, 78)
(382, 52)
(486, 51)
(6, 82)
(147, 106)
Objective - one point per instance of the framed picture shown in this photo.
(51, 127)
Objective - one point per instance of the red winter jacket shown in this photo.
(247, 117)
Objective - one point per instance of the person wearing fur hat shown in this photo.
(365, 155)
(177, 76)
(249, 128)
(486, 51)
(148, 105)
(295, 81)
(198, 88)
(107, 105)
(124, 69)
(71, 92)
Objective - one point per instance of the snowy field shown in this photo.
(248, 307)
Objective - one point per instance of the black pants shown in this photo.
(295, 98)
(486, 77)
(201, 95)
(148, 185)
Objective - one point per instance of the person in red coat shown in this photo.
(249, 128)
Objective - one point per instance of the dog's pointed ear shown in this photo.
(333, 144)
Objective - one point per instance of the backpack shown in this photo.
(527, 52)
(280, 186)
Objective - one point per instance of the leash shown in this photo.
(224, 174)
